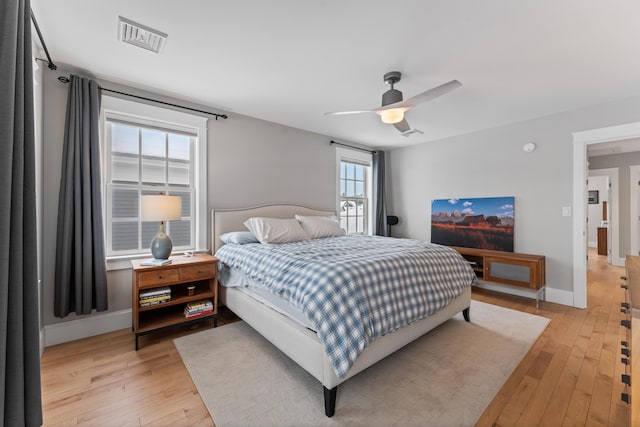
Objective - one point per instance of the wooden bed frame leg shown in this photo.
(465, 313)
(330, 401)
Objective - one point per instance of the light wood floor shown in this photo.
(571, 376)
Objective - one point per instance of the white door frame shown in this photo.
(634, 179)
(580, 142)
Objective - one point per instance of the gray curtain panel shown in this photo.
(379, 204)
(20, 403)
(81, 277)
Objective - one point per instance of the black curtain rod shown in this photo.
(64, 79)
(217, 116)
(50, 63)
(352, 147)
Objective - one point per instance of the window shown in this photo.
(145, 155)
(354, 191)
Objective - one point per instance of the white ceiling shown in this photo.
(290, 61)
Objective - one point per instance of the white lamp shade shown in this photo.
(161, 208)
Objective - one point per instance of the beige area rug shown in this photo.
(445, 378)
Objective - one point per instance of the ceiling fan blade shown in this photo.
(405, 129)
(341, 113)
(428, 95)
(402, 126)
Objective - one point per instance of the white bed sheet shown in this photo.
(235, 278)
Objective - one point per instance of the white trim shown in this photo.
(557, 296)
(123, 263)
(580, 142)
(96, 324)
(634, 178)
(613, 252)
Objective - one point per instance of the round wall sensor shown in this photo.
(529, 147)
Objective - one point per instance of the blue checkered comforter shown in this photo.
(355, 289)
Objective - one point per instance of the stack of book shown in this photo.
(196, 308)
(154, 296)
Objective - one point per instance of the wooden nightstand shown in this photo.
(199, 270)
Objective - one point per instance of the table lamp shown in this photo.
(160, 207)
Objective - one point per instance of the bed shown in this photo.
(298, 341)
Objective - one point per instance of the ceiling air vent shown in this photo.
(140, 35)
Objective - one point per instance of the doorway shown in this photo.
(598, 224)
(611, 192)
(580, 142)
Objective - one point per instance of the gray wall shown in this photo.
(250, 162)
(621, 162)
(492, 163)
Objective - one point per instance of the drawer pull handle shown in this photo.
(625, 361)
(626, 323)
(625, 352)
(159, 277)
(626, 397)
(624, 287)
(626, 379)
(625, 305)
(624, 343)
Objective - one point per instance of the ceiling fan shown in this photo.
(393, 107)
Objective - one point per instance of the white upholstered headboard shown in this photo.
(226, 220)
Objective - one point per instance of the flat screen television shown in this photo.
(483, 223)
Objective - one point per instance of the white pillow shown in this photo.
(273, 230)
(239, 237)
(321, 226)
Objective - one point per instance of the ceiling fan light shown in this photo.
(394, 115)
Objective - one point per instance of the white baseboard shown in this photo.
(556, 296)
(72, 330)
(618, 261)
(592, 244)
(559, 296)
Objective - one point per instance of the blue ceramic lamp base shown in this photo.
(161, 244)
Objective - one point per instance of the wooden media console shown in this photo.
(509, 268)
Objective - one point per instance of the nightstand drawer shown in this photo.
(158, 277)
(202, 271)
